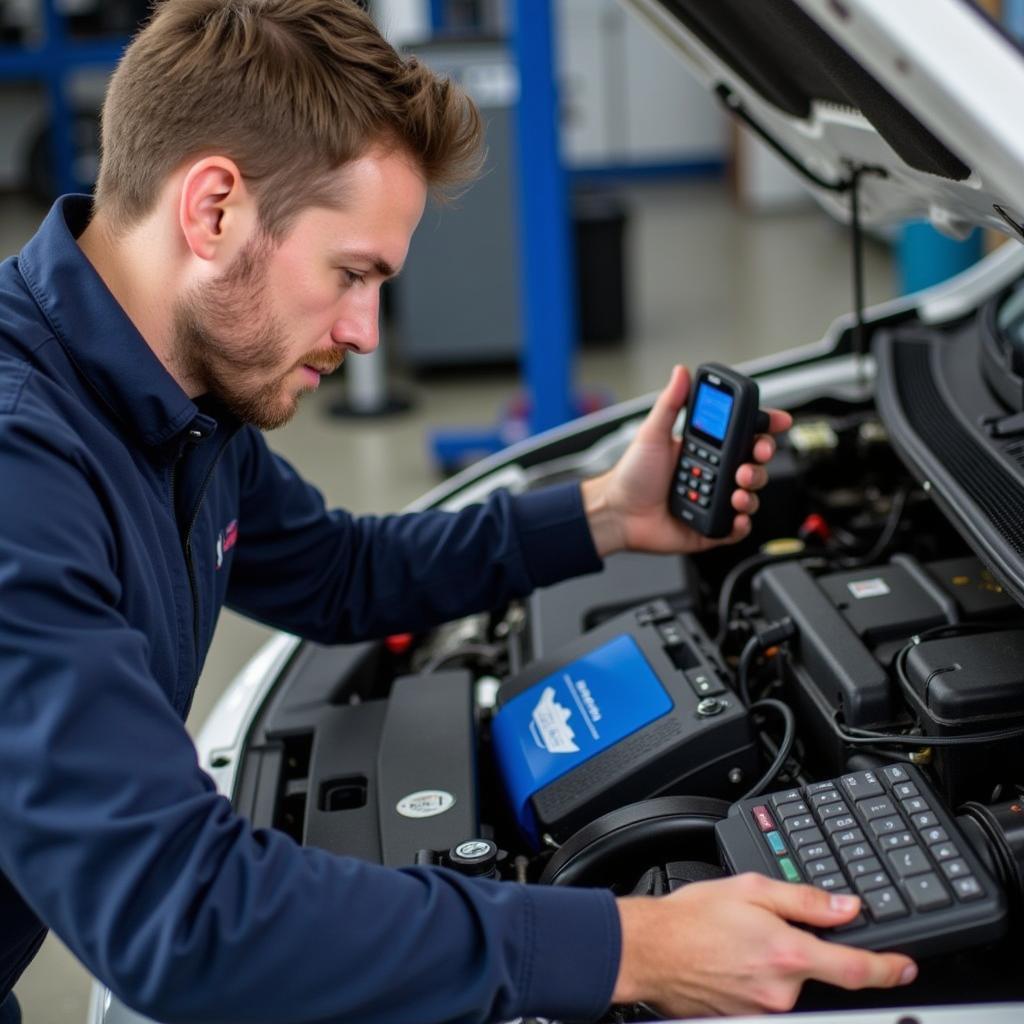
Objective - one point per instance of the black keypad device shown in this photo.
(884, 836)
(721, 425)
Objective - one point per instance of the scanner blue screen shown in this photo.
(711, 411)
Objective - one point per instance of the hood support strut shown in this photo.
(851, 184)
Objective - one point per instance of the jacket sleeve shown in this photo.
(334, 577)
(119, 842)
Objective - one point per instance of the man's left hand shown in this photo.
(627, 507)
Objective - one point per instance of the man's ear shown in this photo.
(217, 213)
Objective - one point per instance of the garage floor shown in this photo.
(706, 281)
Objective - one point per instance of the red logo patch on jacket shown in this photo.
(226, 540)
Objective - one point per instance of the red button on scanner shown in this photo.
(696, 471)
(693, 495)
(763, 819)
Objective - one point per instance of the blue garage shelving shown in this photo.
(53, 61)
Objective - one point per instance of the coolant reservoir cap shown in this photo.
(474, 857)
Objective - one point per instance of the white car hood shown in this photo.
(926, 94)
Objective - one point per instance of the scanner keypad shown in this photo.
(884, 836)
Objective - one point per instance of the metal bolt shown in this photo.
(710, 706)
(735, 776)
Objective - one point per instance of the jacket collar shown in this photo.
(98, 335)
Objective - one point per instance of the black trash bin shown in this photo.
(599, 222)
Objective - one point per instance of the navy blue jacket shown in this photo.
(128, 516)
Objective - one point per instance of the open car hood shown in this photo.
(923, 95)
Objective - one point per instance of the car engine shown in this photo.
(596, 732)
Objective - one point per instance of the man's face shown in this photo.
(262, 334)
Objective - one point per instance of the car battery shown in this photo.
(636, 708)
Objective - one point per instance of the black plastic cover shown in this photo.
(970, 680)
(882, 602)
(368, 758)
(559, 614)
(977, 594)
(344, 761)
(428, 743)
(835, 660)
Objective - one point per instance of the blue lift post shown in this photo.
(53, 61)
(545, 248)
(546, 258)
(438, 16)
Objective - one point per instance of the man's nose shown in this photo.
(359, 330)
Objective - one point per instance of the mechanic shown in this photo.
(265, 163)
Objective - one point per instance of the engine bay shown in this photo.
(595, 733)
(838, 699)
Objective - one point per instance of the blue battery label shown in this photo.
(573, 715)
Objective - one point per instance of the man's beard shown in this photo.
(228, 344)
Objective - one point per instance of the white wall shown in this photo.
(764, 181)
(402, 21)
(627, 97)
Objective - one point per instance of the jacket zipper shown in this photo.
(187, 541)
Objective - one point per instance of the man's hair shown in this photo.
(291, 90)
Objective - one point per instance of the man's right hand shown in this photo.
(725, 947)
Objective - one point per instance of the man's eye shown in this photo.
(351, 277)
